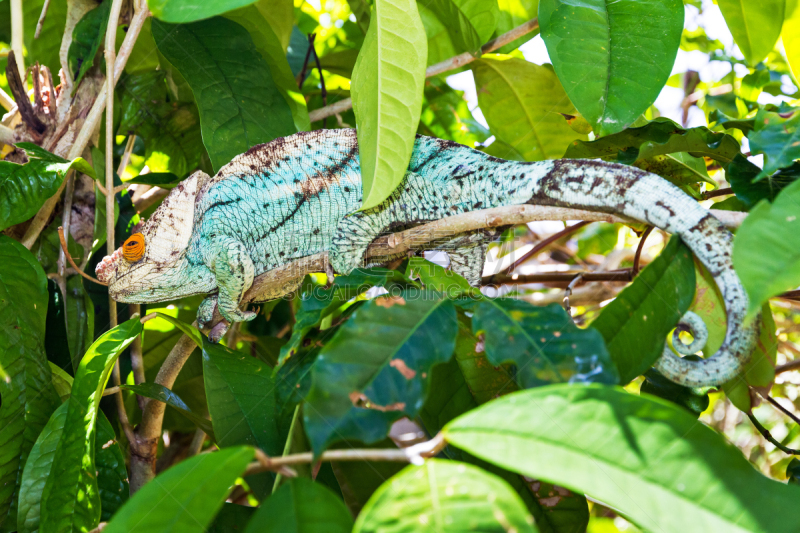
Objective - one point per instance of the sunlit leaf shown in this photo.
(777, 136)
(192, 10)
(755, 26)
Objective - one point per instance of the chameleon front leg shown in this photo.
(231, 264)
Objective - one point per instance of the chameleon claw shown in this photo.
(216, 333)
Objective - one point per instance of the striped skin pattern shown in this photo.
(300, 195)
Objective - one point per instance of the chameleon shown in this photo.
(301, 195)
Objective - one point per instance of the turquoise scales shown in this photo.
(300, 195)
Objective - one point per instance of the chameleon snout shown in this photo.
(105, 269)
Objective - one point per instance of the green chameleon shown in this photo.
(300, 195)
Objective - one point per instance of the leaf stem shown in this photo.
(638, 256)
(767, 435)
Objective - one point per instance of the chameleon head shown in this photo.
(150, 265)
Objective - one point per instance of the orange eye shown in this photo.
(133, 249)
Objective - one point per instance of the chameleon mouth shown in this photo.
(106, 268)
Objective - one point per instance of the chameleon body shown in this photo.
(300, 195)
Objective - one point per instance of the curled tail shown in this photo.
(628, 191)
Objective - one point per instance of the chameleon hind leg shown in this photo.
(467, 253)
(231, 264)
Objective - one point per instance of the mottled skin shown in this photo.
(300, 195)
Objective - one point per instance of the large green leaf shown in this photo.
(24, 188)
(27, 394)
(170, 132)
(522, 103)
(470, 23)
(641, 455)
(241, 398)
(375, 369)
(769, 231)
(790, 34)
(387, 87)
(112, 477)
(658, 137)
(543, 342)
(88, 35)
(755, 26)
(444, 496)
(185, 498)
(301, 506)
(160, 393)
(179, 11)
(256, 20)
(79, 319)
(513, 13)
(240, 105)
(613, 58)
(777, 136)
(746, 183)
(70, 499)
(440, 45)
(636, 323)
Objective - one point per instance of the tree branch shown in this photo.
(444, 66)
(18, 36)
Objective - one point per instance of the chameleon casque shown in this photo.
(300, 195)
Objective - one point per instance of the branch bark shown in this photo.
(443, 66)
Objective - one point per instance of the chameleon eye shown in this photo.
(133, 249)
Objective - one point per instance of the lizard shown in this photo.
(300, 195)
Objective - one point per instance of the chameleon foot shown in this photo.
(217, 332)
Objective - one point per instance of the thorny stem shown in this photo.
(444, 66)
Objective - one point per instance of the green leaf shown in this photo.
(636, 323)
(777, 136)
(436, 278)
(470, 23)
(24, 188)
(162, 394)
(387, 87)
(301, 506)
(240, 105)
(112, 476)
(46, 48)
(88, 35)
(790, 34)
(543, 342)
(232, 518)
(375, 369)
(179, 11)
(744, 179)
(256, 20)
(27, 394)
(62, 382)
(172, 138)
(769, 231)
(613, 58)
(186, 497)
(192, 332)
(446, 115)
(70, 499)
(241, 399)
(658, 137)
(513, 13)
(79, 319)
(319, 303)
(755, 26)
(680, 168)
(522, 103)
(641, 455)
(444, 496)
(440, 46)
(693, 400)
(165, 180)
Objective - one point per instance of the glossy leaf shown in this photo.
(170, 132)
(62, 382)
(186, 497)
(239, 103)
(790, 34)
(755, 26)
(636, 323)
(24, 188)
(613, 58)
(70, 499)
(160, 393)
(375, 369)
(79, 319)
(88, 35)
(241, 399)
(773, 231)
(543, 342)
(522, 103)
(645, 457)
(467, 499)
(746, 183)
(470, 23)
(165, 180)
(191, 10)
(436, 278)
(301, 506)
(777, 136)
(658, 137)
(28, 397)
(386, 88)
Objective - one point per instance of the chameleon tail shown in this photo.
(630, 192)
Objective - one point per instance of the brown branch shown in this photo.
(17, 37)
(788, 367)
(767, 435)
(63, 240)
(560, 278)
(17, 86)
(719, 192)
(541, 245)
(638, 256)
(41, 19)
(444, 66)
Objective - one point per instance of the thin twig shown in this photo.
(638, 256)
(778, 406)
(444, 66)
(63, 240)
(560, 278)
(41, 19)
(767, 435)
(788, 367)
(719, 192)
(541, 245)
(66, 221)
(324, 92)
(302, 75)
